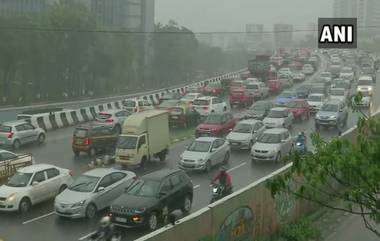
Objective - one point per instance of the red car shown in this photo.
(213, 89)
(275, 86)
(236, 84)
(241, 97)
(300, 109)
(216, 125)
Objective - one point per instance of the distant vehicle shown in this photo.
(364, 102)
(207, 104)
(332, 113)
(260, 67)
(347, 73)
(279, 117)
(17, 133)
(259, 110)
(32, 185)
(286, 97)
(286, 80)
(327, 76)
(300, 109)
(341, 83)
(303, 91)
(237, 84)
(205, 152)
(365, 83)
(319, 89)
(275, 86)
(240, 97)
(168, 105)
(285, 71)
(170, 96)
(257, 89)
(272, 145)
(340, 94)
(217, 125)
(298, 77)
(136, 105)
(277, 60)
(151, 198)
(315, 102)
(92, 191)
(335, 70)
(213, 89)
(183, 116)
(245, 133)
(307, 69)
(190, 97)
(113, 118)
(10, 162)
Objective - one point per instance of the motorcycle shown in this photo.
(218, 192)
(115, 237)
(300, 146)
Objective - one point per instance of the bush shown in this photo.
(301, 230)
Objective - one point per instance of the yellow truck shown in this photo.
(144, 136)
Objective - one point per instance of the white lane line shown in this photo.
(196, 186)
(86, 236)
(236, 167)
(38, 218)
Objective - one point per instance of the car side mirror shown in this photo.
(35, 183)
(213, 149)
(162, 193)
(100, 189)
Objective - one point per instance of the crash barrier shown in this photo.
(63, 118)
(248, 214)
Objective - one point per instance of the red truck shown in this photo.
(241, 97)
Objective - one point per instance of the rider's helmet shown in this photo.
(223, 170)
(105, 221)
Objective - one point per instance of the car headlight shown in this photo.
(140, 210)
(11, 197)
(318, 116)
(370, 88)
(332, 117)
(78, 204)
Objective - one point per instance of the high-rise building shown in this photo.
(253, 36)
(283, 35)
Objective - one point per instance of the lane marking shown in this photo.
(38, 218)
(196, 186)
(236, 167)
(86, 236)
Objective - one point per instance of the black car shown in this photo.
(151, 198)
(258, 110)
(303, 91)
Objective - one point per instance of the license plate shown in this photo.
(122, 220)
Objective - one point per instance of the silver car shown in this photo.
(17, 133)
(245, 133)
(204, 153)
(272, 145)
(279, 117)
(92, 191)
(113, 118)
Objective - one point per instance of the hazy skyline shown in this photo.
(233, 15)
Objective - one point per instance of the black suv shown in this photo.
(151, 198)
(91, 138)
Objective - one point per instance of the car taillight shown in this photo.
(87, 141)
(10, 135)
(109, 120)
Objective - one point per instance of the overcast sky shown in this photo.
(232, 15)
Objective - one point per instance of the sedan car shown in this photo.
(92, 191)
(307, 69)
(298, 77)
(285, 97)
(300, 109)
(259, 110)
(245, 133)
(315, 102)
(31, 185)
(113, 118)
(272, 145)
(205, 152)
(279, 117)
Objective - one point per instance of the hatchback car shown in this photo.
(31, 185)
(259, 110)
(279, 117)
(257, 89)
(286, 97)
(240, 97)
(333, 113)
(300, 109)
(205, 152)
(216, 125)
(92, 138)
(136, 105)
(151, 198)
(245, 133)
(16, 133)
(365, 83)
(209, 104)
(113, 118)
(272, 145)
(92, 191)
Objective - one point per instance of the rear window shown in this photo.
(80, 133)
(201, 102)
(129, 103)
(5, 128)
(103, 116)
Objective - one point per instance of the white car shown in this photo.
(365, 83)
(190, 97)
(205, 152)
(257, 89)
(307, 69)
(209, 104)
(245, 133)
(285, 71)
(272, 145)
(279, 117)
(338, 94)
(346, 73)
(286, 80)
(136, 105)
(113, 118)
(326, 76)
(31, 185)
(315, 102)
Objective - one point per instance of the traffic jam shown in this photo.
(259, 116)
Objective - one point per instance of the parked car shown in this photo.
(170, 96)
(208, 104)
(307, 69)
(300, 109)
(333, 113)
(184, 116)
(113, 118)
(32, 185)
(136, 105)
(299, 77)
(340, 94)
(151, 198)
(303, 91)
(257, 89)
(286, 80)
(216, 124)
(92, 138)
(259, 110)
(279, 117)
(275, 86)
(315, 102)
(92, 191)
(272, 145)
(245, 133)
(17, 133)
(205, 152)
(285, 97)
(240, 97)
(365, 83)
(213, 89)
(190, 97)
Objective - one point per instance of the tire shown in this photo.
(62, 188)
(16, 144)
(162, 156)
(278, 157)
(226, 157)
(90, 211)
(153, 221)
(186, 208)
(41, 138)
(92, 152)
(24, 205)
(165, 215)
(117, 129)
(143, 162)
(208, 166)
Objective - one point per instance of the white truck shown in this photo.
(145, 136)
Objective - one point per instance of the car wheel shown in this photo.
(117, 129)
(162, 156)
(41, 138)
(16, 144)
(24, 205)
(62, 188)
(165, 214)
(153, 221)
(90, 211)
(143, 162)
(278, 157)
(226, 157)
(186, 208)
(208, 166)
(92, 152)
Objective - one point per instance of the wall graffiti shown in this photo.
(285, 204)
(238, 226)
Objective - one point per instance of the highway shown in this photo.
(41, 224)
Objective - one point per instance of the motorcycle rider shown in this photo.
(301, 137)
(225, 180)
(106, 230)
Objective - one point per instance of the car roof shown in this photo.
(316, 94)
(207, 138)
(276, 130)
(249, 121)
(90, 125)
(279, 108)
(14, 123)
(35, 168)
(160, 174)
(99, 172)
(205, 98)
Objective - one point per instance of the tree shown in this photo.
(340, 170)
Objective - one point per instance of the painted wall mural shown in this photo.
(238, 226)
(285, 205)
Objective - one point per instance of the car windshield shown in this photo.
(199, 146)
(277, 114)
(144, 188)
(81, 133)
(127, 142)
(365, 82)
(5, 128)
(330, 107)
(129, 103)
(84, 183)
(283, 76)
(287, 94)
(243, 128)
(294, 104)
(252, 86)
(259, 106)
(19, 179)
(316, 98)
(201, 102)
(214, 119)
(270, 138)
(337, 92)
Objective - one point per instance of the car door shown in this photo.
(214, 152)
(30, 132)
(21, 134)
(103, 192)
(120, 181)
(258, 130)
(178, 191)
(166, 195)
(54, 181)
(38, 189)
(287, 142)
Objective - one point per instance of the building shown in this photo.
(253, 36)
(9, 8)
(283, 35)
